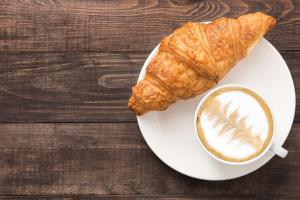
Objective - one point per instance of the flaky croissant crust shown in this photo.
(194, 58)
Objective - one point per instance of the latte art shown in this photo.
(235, 124)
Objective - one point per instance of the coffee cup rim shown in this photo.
(267, 148)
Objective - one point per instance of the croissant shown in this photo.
(194, 58)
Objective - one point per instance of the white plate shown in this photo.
(170, 133)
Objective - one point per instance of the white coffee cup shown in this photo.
(276, 149)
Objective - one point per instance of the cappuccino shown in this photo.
(234, 124)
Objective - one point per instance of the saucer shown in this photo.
(170, 133)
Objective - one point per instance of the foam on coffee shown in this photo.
(235, 124)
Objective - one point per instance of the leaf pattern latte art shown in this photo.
(219, 116)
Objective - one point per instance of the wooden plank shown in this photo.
(135, 25)
(67, 86)
(70, 159)
(77, 136)
(78, 87)
(142, 197)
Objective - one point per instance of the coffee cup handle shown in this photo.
(278, 150)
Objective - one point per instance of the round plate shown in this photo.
(170, 133)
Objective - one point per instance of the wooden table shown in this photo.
(66, 69)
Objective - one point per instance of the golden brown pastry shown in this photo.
(194, 58)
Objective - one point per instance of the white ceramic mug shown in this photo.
(276, 149)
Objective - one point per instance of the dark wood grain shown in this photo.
(135, 25)
(77, 136)
(112, 159)
(50, 87)
(153, 197)
(78, 87)
(74, 61)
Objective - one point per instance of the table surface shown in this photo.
(66, 69)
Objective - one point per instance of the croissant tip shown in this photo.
(272, 20)
(133, 106)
